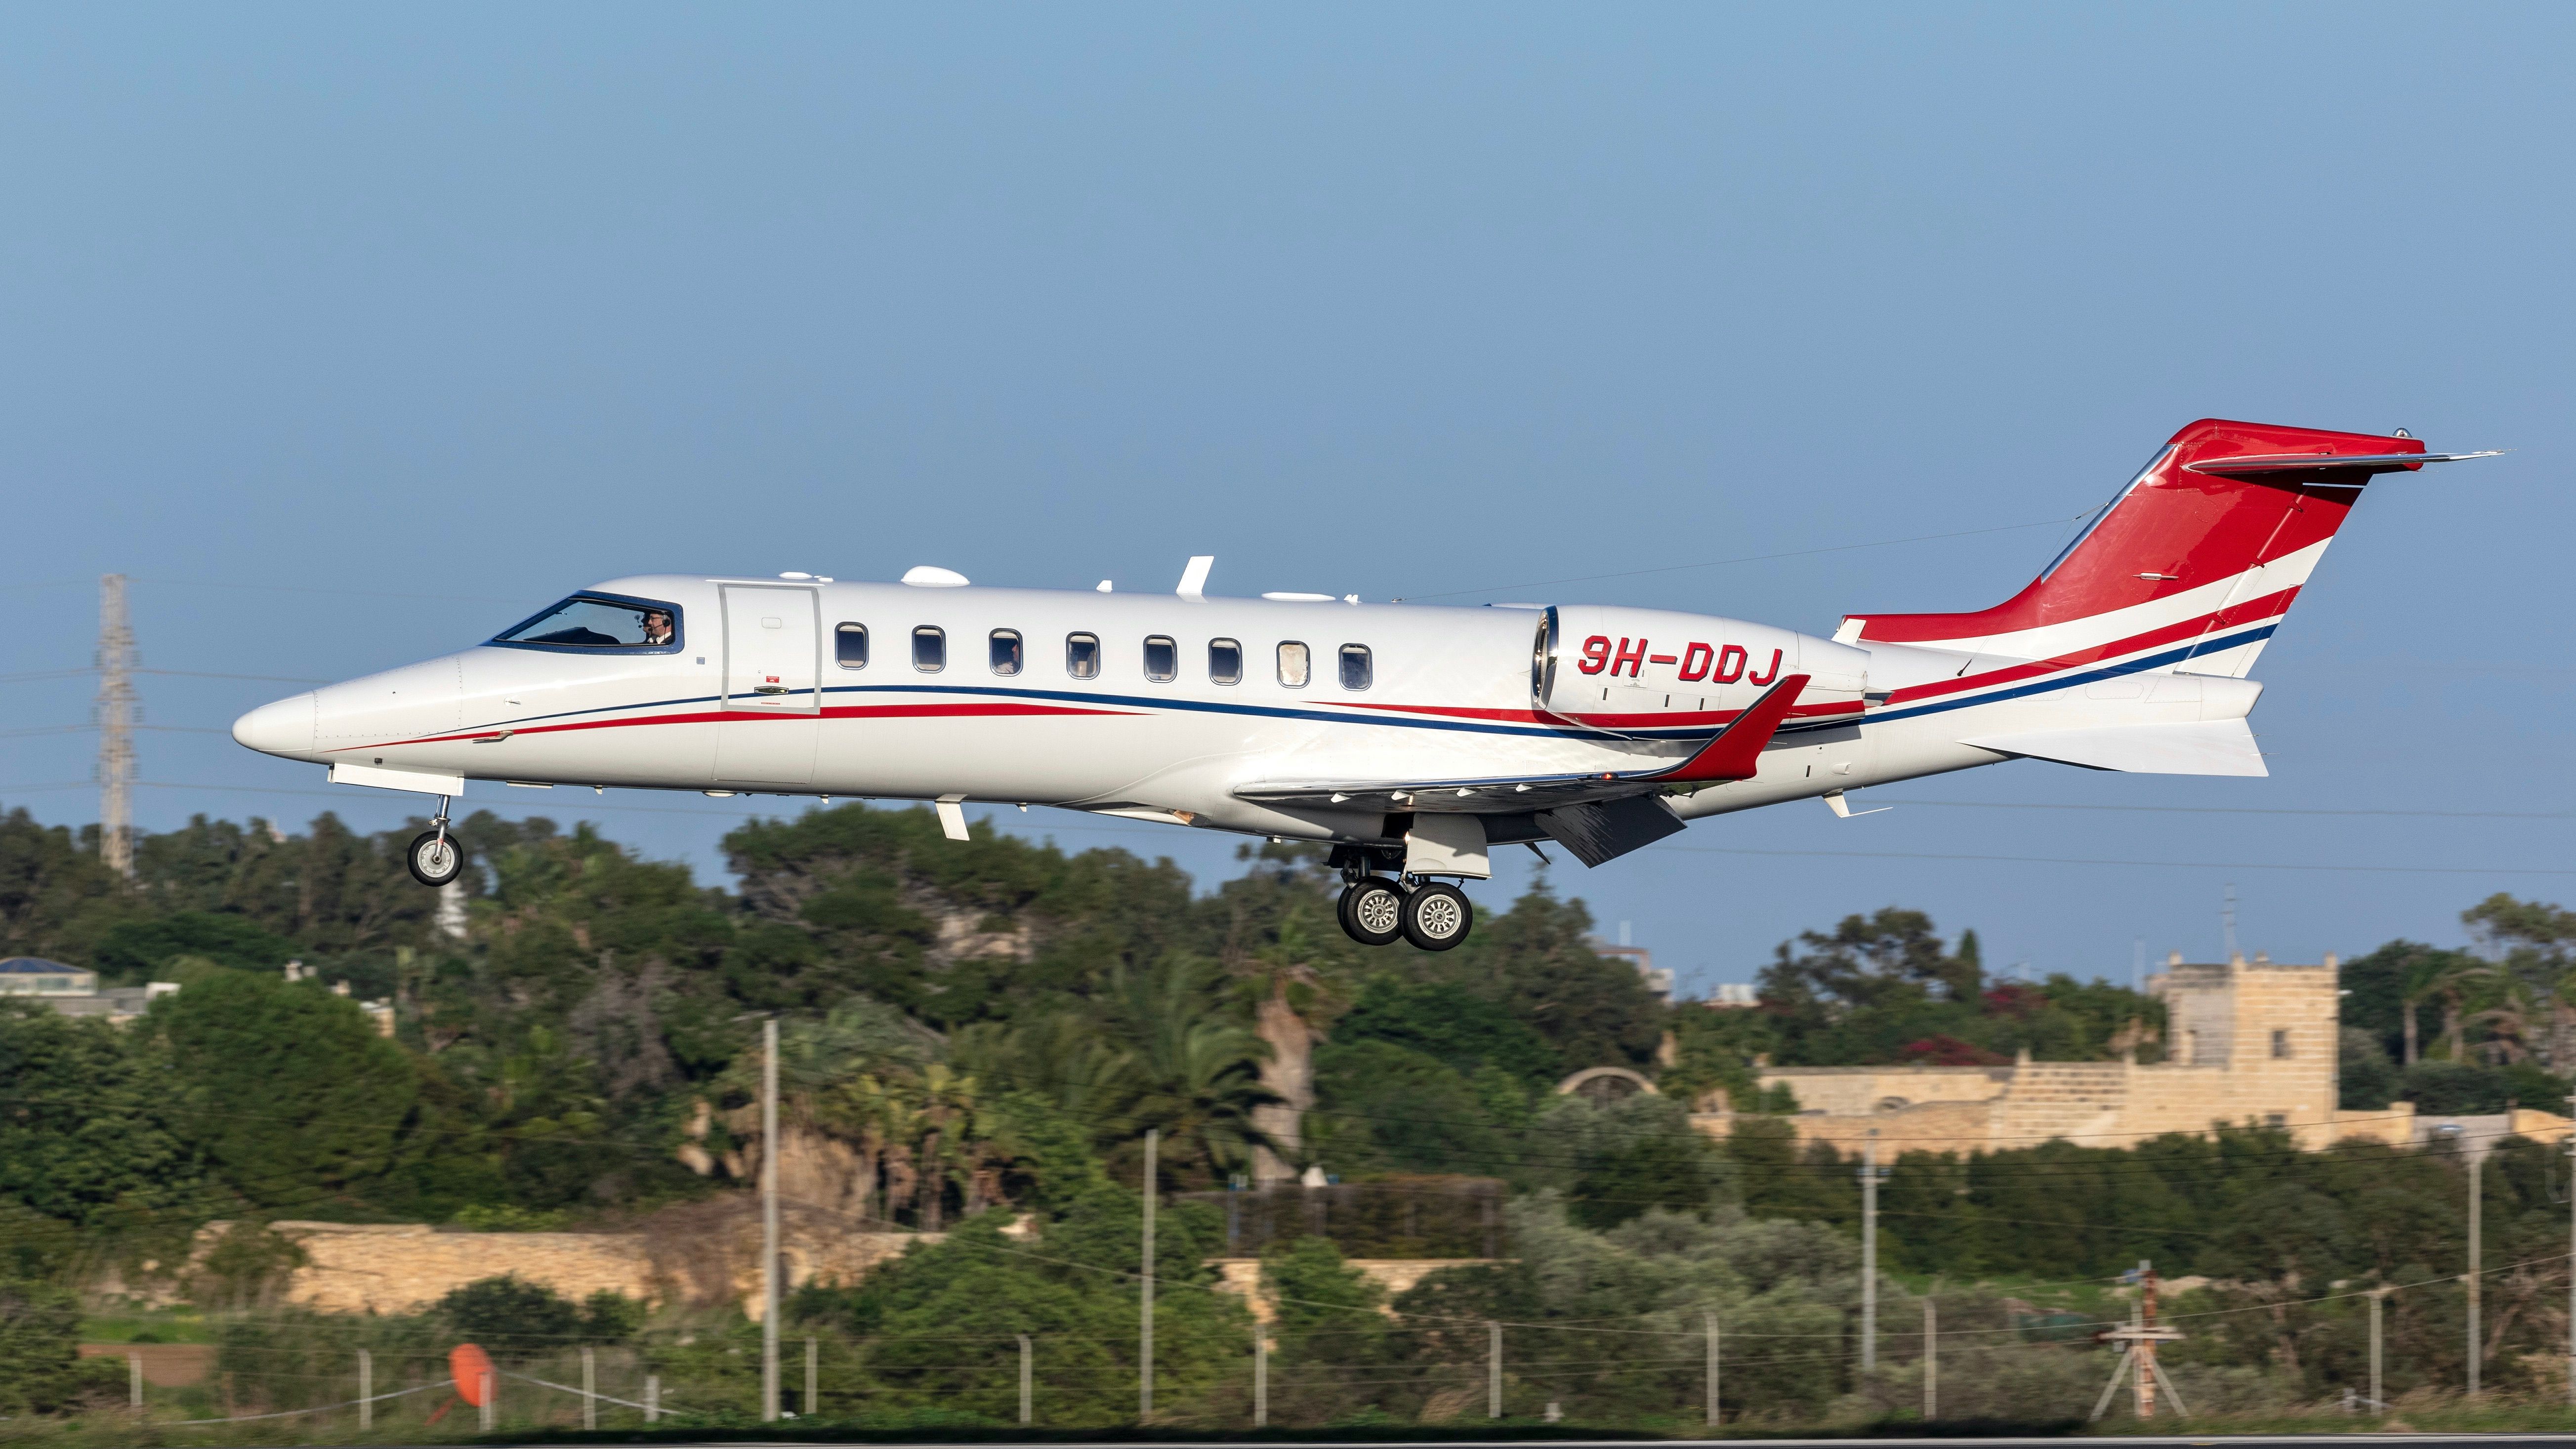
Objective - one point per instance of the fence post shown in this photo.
(1260, 1375)
(1710, 1320)
(1493, 1370)
(813, 1380)
(134, 1381)
(589, 1389)
(491, 1403)
(366, 1391)
(652, 1398)
(1028, 1378)
(1931, 1361)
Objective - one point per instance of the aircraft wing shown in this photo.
(1731, 754)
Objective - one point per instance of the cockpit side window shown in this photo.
(593, 622)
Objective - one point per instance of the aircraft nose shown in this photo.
(282, 728)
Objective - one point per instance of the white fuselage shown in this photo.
(753, 695)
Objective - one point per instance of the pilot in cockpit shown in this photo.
(657, 626)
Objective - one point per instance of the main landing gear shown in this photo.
(434, 857)
(1375, 910)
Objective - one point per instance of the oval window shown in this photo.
(1225, 662)
(929, 649)
(1162, 658)
(1296, 665)
(1357, 670)
(1006, 651)
(850, 646)
(1082, 655)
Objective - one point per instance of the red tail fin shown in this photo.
(2197, 558)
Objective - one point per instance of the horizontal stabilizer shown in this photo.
(2203, 747)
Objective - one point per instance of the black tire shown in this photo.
(433, 861)
(1438, 917)
(1372, 911)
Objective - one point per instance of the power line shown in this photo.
(2132, 864)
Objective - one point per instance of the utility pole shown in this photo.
(1710, 1319)
(1869, 1253)
(769, 1220)
(1260, 1374)
(1145, 1351)
(2571, 1260)
(1931, 1362)
(1493, 1369)
(2138, 1351)
(2477, 1254)
(115, 728)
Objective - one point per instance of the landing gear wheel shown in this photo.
(1372, 910)
(1437, 917)
(434, 859)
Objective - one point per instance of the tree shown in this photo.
(41, 1371)
(512, 1318)
(290, 1091)
(87, 1127)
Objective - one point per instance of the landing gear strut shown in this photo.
(433, 857)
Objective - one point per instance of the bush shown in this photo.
(511, 1318)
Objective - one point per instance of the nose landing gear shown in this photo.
(433, 857)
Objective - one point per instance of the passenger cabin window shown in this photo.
(1006, 651)
(587, 622)
(1082, 655)
(850, 646)
(1295, 665)
(1357, 671)
(929, 649)
(1225, 662)
(1162, 658)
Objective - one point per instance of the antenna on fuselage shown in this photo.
(1194, 578)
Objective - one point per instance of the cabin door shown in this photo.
(772, 707)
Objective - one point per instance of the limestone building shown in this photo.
(2248, 1042)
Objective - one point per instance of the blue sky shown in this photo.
(355, 333)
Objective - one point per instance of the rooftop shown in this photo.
(37, 966)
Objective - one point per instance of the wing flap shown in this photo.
(2203, 747)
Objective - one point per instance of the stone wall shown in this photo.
(2252, 1042)
(701, 1253)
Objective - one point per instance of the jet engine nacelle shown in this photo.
(1593, 661)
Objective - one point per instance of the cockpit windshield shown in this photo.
(599, 621)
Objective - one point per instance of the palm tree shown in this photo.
(1200, 1074)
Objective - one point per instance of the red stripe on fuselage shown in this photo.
(744, 716)
(2269, 606)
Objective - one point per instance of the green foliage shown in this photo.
(245, 1267)
(294, 1096)
(1386, 1108)
(134, 950)
(1627, 1157)
(1880, 988)
(511, 1318)
(938, 1326)
(1452, 1025)
(39, 1348)
(89, 1132)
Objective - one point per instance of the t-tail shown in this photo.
(2191, 567)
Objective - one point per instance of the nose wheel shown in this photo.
(1374, 911)
(434, 857)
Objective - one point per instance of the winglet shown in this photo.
(1736, 752)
